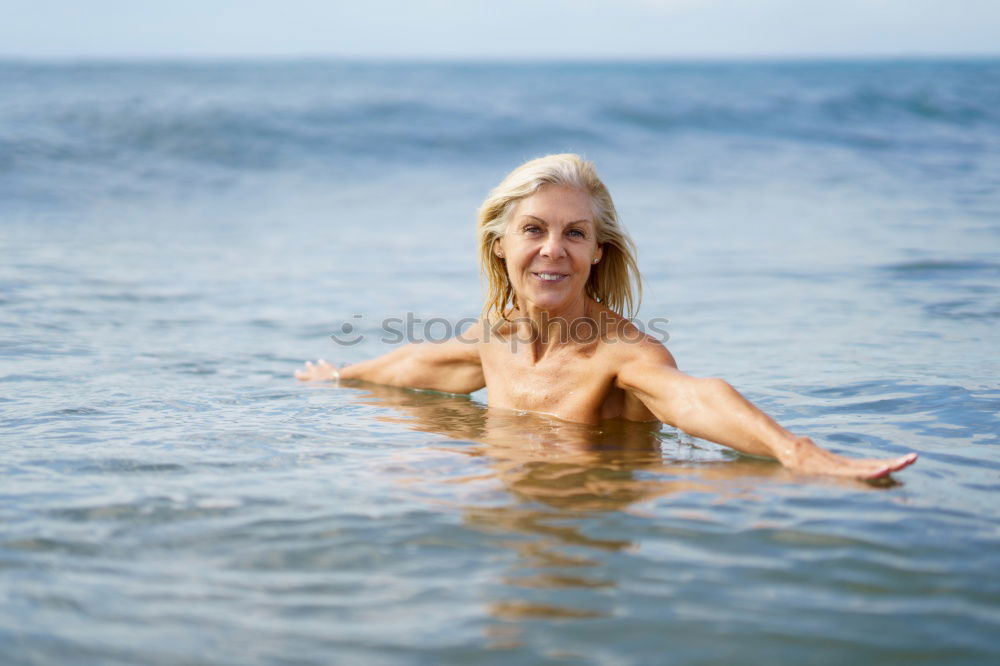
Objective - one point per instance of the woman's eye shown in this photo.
(576, 233)
(531, 229)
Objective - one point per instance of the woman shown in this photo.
(554, 338)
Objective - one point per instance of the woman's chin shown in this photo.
(550, 303)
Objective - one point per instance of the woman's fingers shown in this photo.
(874, 469)
(316, 371)
(884, 468)
(826, 462)
(307, 373)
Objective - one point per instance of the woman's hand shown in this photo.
(320, 371)
(805, 456)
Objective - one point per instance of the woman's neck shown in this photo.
(549, 328)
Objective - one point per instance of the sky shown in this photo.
(503, 29)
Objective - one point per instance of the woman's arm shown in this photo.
(712, 409)
(453, 366)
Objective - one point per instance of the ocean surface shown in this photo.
(177, 238)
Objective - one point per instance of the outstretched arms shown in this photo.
(712, 409)
(453, 366)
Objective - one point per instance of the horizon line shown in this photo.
(492, 59)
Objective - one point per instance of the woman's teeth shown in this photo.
(550, 277)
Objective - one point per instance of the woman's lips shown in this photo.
(550, 277)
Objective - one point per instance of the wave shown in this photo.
(159, 122)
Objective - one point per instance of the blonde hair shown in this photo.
(614, 281)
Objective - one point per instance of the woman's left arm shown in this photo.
(712, 409)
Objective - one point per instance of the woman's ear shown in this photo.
(497, 250)
(598, 254)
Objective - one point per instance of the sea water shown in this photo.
(176, 238)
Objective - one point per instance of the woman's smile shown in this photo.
(550, 277)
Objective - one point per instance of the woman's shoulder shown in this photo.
(628, 342)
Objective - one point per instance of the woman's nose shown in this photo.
(553, 247)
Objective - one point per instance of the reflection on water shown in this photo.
(563, 476)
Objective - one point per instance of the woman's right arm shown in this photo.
(712, 409)
(453, 366)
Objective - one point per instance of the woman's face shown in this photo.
(550, 246)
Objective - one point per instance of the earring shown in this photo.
(596, 259)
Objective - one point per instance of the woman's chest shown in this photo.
(568, 385)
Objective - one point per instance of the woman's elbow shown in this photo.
(715, 385)
(696, 388)
(712, 392)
